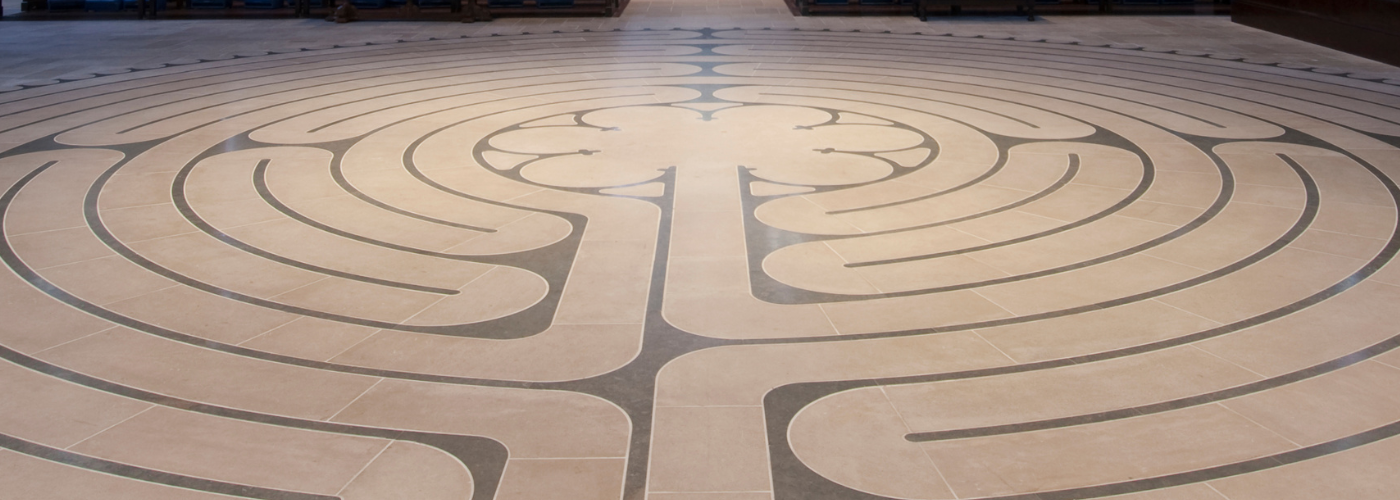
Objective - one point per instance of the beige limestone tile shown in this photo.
(800, 214)
(410, 471)
(1164, 213)
(30, 477)
(902, 244)
(1270, 195)
(1277, 281)
(1094, 331)
(912, 312)
(530, 423)
(1349, 322)
(582, 478)
(751, 495)
(1086, 286)
(202, 314)
(708, 449)
(1098, 239)
(59, 247)
(815, 266)
(1148, 446)
(399, 350)
(1237, 232)
(360, 300)
(929, 273)
(561, 352)
(294, 240)
(741, 375)
(1332, 406)
(158, 365)
(35, 321)
(135, 190)
(1008, 225)
(235, 451)
(531, 232)
(54, 199)
(203, 258)
(1184, 188)
(1062, 392)
(310, 338)
(234, 213)
(1197, 491)
(1075, 201)
(609, 284)
(1347, 245)
(146, 223)
(1368, 221)
(105, 280)
(955, 205)
(354, 216)
(55, 413)
(856, 438)
(499, 292)
(1367, 472)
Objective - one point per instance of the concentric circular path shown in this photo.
(714, 264)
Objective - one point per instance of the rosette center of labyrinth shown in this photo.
(750, 264)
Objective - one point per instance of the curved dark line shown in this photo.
(782, 403)
(475, 63)
(1227, 189)
(460, 94)
(94, 221)
(339, 176)
(151, 475)
(177, 192)
(1165, 406)
(1003, 56)
(1064, 180)
(1115, 63)
(412, 167)
(1304, 220)
(1138, 192)
(484, 457)
(260, 183)
(996, 168)
(1217, 472)
(386, 52)
(17, 265)
(286, 74)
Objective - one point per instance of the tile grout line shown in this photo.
(1261, 426)
(36, 354)
(978, 333)
(922, 450)
(366, 467)
(353, 401)
(1217, 492)
(1232, 363)
(110, 427)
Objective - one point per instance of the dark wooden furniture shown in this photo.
(1026, 7)
(1368, 28)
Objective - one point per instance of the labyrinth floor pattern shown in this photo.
(702, 264)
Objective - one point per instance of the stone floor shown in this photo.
(703, 263)
(79, 47)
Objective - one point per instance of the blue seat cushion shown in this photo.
(263, 4)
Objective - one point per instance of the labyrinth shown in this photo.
(711, 264)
